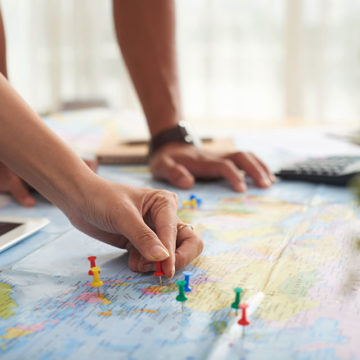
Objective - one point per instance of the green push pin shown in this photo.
(235, 304)
(181, 297)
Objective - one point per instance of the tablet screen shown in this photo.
(6, 227)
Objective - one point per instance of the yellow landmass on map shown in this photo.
(105, 313)
(7, 303)
(281, 262)
(121, 284)
(232, 236)
(13, 333)
(337, 211)
(104, 299)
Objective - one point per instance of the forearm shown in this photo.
(146, 34)
(36, 154)
(3, 67)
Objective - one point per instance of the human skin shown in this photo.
(143, 221)
(145, 32)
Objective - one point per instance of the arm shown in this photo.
(117, 214)
(146, 34)
(9, 182)
(145, 31)
(3, 67)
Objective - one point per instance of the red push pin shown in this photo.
(92, 264)
(243, 321)
(159, 272)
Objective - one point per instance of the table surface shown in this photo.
(290, 248)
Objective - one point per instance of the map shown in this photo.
(291, 248)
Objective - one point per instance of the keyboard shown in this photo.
(333, 170)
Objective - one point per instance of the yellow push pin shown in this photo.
(97, 281)
(191, 203)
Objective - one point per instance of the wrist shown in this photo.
(72, 189)
(176, 134)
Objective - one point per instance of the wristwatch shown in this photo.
(178, 134)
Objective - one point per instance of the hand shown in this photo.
(12, 184)
(180, 164)
(141, 220)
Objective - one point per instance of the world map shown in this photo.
(289, 247)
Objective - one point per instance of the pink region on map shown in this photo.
(90, 298)
(36, 327)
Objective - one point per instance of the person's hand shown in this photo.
(180, 164)
(12, 184)
(143, 221)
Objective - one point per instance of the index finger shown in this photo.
(164, 217)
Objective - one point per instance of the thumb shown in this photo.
(143, 238)
(20, 193)
(176, 174)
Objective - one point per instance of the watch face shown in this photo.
(188, 138)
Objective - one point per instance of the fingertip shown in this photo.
(185, 182)
(181, 177)
(240, 187)
(265, 183)
(29, 201)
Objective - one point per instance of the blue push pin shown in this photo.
(187, 275)
(198, 200)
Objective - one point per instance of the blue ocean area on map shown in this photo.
(287, 247)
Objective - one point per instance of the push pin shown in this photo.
(235, 304)
(181, 297)
(97, 283)
(187, 275)
(193, 201)
(243, 321)
(159, 272)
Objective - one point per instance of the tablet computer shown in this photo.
(15, 229)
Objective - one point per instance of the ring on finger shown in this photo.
(183, 225)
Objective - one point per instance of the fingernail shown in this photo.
(273, 178)
(172, 272)
(242, 187)
(158, 252)
(265, 182)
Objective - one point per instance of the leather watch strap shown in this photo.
(177, 134)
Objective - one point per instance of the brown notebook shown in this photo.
(114, 149)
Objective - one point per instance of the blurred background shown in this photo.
(256, 62)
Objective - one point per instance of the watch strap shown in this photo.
(177, 134)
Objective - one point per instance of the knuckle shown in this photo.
(167, 196)
(240, 156)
